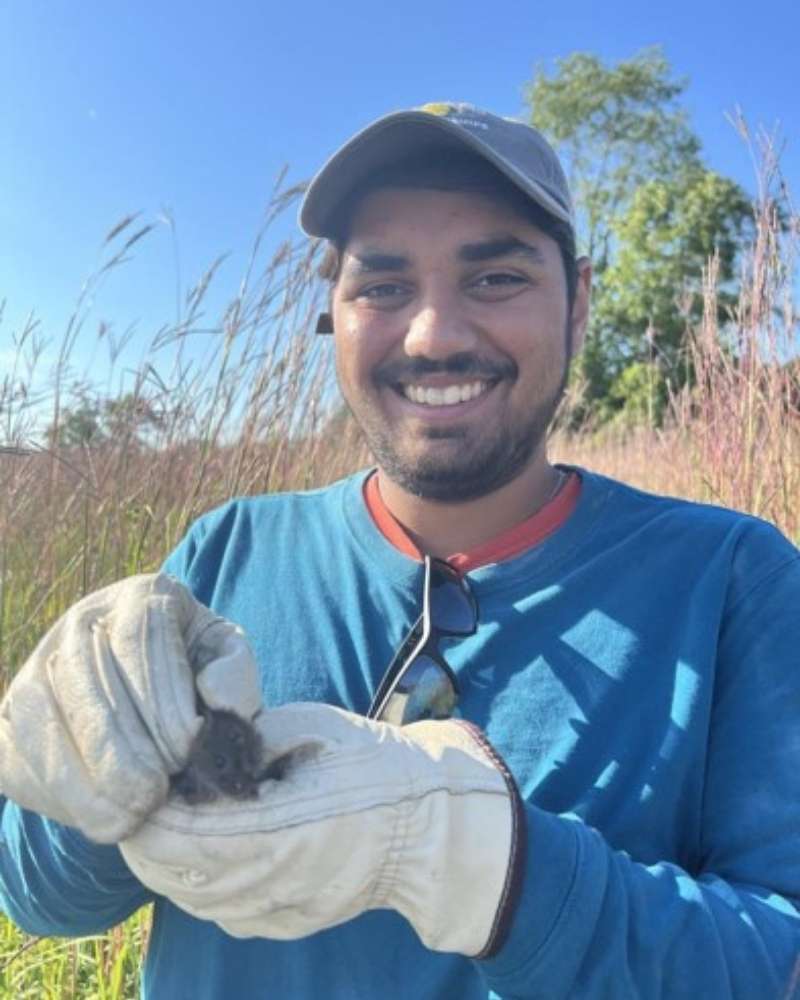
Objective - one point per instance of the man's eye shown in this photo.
(385, 290)
(498, 279)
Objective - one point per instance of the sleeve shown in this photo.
(196, 560)
(179, 562)
(594, 922)
(55, 882)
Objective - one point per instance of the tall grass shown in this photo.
(243, 404)
(240, 405)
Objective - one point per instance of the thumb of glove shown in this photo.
(104, 710)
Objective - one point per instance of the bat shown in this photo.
(226, 758)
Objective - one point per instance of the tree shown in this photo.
(615, 128)
(94, 421)
(662, 243)
(78, 426)
(649, 214)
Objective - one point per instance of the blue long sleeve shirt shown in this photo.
(638, 671)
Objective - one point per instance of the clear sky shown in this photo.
(193, 107)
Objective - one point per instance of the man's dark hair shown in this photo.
(450, 170)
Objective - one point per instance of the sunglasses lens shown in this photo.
(425, 691)
(418, 683)
(452, 606)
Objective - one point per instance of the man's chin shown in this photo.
(454, 464)
(454, 481)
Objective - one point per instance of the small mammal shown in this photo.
(226, 759)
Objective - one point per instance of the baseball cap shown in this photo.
(517, 150)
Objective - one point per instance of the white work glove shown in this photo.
(104, 711)
(422, 819)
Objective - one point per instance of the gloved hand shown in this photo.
(104, 710)
(422, 818)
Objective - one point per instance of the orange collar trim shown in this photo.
(506, 545)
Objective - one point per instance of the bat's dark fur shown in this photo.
(226, 759)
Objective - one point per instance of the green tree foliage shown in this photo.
(638, 395)
(79, 426)
(649, 215)
(93, 421)
(615, 128)
(663, 241)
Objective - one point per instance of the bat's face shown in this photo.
(229, 754)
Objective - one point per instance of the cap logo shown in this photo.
(458, 113)
(442, 109)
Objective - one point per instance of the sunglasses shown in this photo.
(418, 683)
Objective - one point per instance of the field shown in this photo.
(113, 485)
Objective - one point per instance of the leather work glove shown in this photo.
(423, 819)
(104, 710)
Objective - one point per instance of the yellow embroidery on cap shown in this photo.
(439, 108)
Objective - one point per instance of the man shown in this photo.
(623, 822)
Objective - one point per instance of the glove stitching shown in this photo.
(100, 639)
(386, 876)
(173, 743)
(100, 795)
(170, 817)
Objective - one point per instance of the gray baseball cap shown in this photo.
(517, 150)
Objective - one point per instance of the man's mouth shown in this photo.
(449, 395)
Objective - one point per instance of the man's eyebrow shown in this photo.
(370, 261)
(501, 246)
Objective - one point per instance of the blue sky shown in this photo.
(193, 107)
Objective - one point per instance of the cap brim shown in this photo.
(387, 140)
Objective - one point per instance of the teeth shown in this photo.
(471, 391)
(448, 396)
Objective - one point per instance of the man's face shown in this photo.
(451, 329)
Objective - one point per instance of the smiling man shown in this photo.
(454, 335)
(577, 778)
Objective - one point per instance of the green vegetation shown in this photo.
(105, 967)
(650, 215)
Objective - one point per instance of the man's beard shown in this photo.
(472, 471)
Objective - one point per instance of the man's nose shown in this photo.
(438, 329)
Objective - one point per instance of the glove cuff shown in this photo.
(515, 871)
(461, 864)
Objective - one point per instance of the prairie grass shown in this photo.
(245, 404)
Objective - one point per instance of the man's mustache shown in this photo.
(469, 365)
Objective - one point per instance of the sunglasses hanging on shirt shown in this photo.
(419, 683)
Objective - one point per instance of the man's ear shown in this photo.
(579, 319)
(324, 323)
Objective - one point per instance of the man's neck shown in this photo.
(440, 529)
